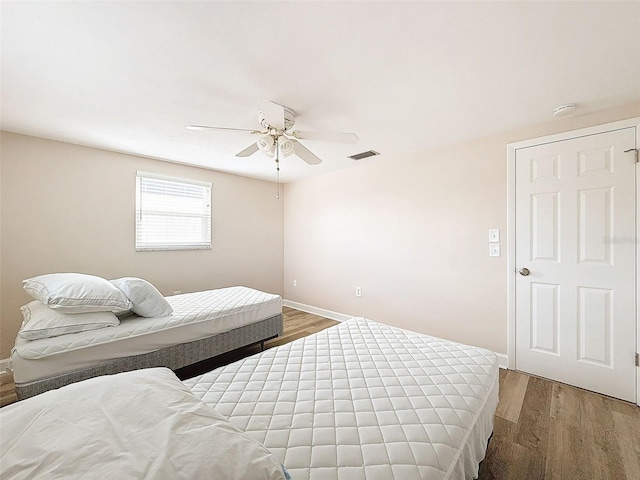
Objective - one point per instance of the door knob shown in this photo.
(524, 272)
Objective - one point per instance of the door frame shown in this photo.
(512, 148)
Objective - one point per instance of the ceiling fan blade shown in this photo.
(226, 129)
(326, 136)
(272, 113)
(305, 154)
(250, 150)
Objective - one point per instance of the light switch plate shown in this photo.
(494, 234)
(494, 249)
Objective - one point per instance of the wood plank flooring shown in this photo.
(552, 431)
(543, 430)
(7, 389)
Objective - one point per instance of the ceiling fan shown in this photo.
(278, 135)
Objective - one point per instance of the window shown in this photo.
(172, 213)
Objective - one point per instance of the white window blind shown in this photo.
(172, 213)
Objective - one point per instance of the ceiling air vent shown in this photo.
(367, 154)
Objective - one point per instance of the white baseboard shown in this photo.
(502, 360)
(341, 317)
(5, 365)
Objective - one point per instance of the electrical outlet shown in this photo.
(358, 291)
(295, 283)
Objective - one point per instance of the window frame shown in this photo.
(205, 244)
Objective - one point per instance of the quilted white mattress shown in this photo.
(195, 315)
(363, 400)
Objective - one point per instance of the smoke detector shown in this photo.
(565, 110)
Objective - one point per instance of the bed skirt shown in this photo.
(173, 357)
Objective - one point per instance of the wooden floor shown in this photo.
(542, 430)
(7, 389)
(549, 430)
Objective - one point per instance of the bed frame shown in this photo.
(173, 357)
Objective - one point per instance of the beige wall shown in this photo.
(68, 208)
(413, 233)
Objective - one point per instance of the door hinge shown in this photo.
(635, 153)
(637, 360)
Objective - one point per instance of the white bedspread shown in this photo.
(137, 425)
(361, 401)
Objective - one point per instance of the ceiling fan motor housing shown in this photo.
(289, 119)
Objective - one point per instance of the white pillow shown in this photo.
(41, 321)
(147, 300)
(76, 293)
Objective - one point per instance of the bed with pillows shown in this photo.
(80, 326)
(357, 401)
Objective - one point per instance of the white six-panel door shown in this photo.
(575, 234)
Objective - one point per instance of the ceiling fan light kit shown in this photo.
(266, 144)
(287, 147)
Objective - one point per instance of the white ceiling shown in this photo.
(406, 77)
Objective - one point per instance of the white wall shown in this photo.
(413, 233)
(68, 208)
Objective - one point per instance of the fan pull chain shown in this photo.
(278, 168)
(278, 179)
